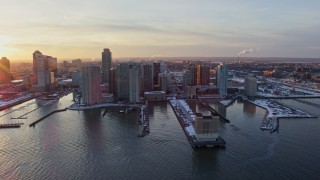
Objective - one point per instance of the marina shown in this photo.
(275, 111)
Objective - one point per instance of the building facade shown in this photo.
(123, 81)
(147, 75)
(90, 86)
(5, 73)
(204, 75)
(250, 86)
(113, 81)
(156, 71)
(45, 71)
(206, 127)
(134, 84)
(190, 76)
(222, 79)
(106, 65)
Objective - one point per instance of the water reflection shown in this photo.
(249, 108)
(204, 160)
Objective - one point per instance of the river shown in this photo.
(86, 145)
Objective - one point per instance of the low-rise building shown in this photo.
(206, 127)
(155, 96)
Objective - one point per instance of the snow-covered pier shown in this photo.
(275, 111)
(143, 122)
(186, 118)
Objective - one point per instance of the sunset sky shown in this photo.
(82, 28)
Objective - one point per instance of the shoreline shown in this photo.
(74, 107)
(17, 102)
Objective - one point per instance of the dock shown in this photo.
(222, 118)
(11, 125)
(105, 112)
(37, 121)
(143, 122)
(191, 138)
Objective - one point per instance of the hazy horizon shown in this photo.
(71, 29)
(198, 58)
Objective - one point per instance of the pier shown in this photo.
(143, 122)
(222, 118)
(105, 112)
(11, 125)
(37, 121)
(186, 124)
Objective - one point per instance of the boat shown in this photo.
(121, 111)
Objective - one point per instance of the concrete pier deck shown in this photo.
(191, 138)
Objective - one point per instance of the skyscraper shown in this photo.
(45, 70)
(106, 65)
(134, 84)
(156, 71)
(190, 76)
(5, 74)
(147, 75)
(222, 79)
(123, 81)
(164, 81)
(204, 75)
(90, 86)
(113, 81)
(250, 86)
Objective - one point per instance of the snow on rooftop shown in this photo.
(225, 102)
(237, 79)
(154, 92)
(190, 130)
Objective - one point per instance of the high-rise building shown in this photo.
(250, 86)
(198, 74)
(164, 81)
(222, 79)
(156, 71)
(113, 81)
(45, 70)
(134, 84)
(26, 81)
(76, 78)
(76, 63)
(204, 75)
(123, 81)
(163, 67)
(5, 74)
(147, 75)
(35, 55)
(190, 76)
(90, 86)
(106, 65)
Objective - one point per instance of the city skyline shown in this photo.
(177, 28)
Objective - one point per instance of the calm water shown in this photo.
(85, 145)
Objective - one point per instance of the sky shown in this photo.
(69, 29)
